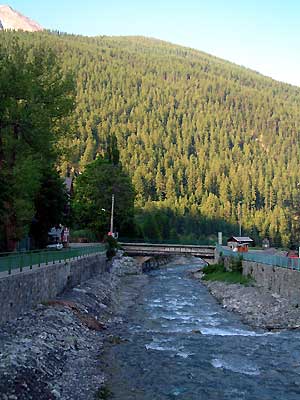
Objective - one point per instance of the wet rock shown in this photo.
(126, 266)
(91, 323)
(116, 340)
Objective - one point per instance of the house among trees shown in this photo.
(239, 243)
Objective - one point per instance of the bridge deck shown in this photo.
(168, 249)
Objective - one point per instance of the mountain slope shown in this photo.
(11, 19)
(197, 134)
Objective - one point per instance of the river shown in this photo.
(179, 343)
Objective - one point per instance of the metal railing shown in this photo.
(269, 259)
(204, 242)
(20, 260)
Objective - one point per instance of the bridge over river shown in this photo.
(151, 249)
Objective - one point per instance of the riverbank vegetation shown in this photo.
(218, 272)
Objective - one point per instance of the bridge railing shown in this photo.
(20, 260)
(204, 242)
(166, 245)
(268, 259)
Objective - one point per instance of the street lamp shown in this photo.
(111, 231)
(112, 214)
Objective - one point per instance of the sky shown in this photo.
(262, 35)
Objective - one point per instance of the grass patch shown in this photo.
(217, 272)
(212, 268)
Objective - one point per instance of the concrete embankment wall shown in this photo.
(283, 281)
(21, 291)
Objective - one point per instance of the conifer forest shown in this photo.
(206, 143)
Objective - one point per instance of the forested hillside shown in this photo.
(197, 135)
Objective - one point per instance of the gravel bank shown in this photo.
(257, 306)
(53, 352)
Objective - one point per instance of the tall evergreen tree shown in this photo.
(93, 191)
(35, 97)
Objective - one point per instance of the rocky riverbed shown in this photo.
(56, 350)
(257, 306)
(53, 351)
(178, 342)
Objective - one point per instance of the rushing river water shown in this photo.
(179, 343)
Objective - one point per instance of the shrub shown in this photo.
(217, 272)
(210, 269)
(82, 236)
(236, 264)
(111, 246)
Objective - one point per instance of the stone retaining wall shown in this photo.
(283, 281)
(151, 263)
(21, 291)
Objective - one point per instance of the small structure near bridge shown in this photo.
(239, 244)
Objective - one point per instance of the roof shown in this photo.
(240, 239)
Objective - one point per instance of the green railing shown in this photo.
(269, 259)
(20, 260)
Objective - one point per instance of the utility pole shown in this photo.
(112, 214)
(240, 217)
